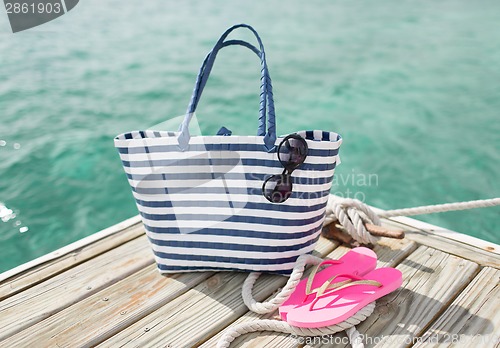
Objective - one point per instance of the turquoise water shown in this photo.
(414, 90)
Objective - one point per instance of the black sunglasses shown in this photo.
(292, 152)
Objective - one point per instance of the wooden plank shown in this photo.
(256, 339)
(438, 231)
(390, 252)
(100, 316)
(45, 299)
(449, 234)
(207, 308)
(473, 319)
(439, 241)
(21, 280)
(431, 280)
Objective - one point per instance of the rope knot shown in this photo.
(271, 305)
(353, 214)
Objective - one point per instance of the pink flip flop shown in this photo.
(341, 296)
(357, 261)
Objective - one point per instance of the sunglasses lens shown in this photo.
(292, 152)
(277, 188)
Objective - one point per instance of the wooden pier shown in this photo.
(108, 293)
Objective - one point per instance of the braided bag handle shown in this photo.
(266, 110)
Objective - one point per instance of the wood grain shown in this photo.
(390, 252)
(45, 299)
(98, 317)
(473, 319)
(450, 246)
(381, 231)
(196, 315)
(431, 280)
(33, 276)
(110, 293)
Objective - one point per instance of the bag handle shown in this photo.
(266, 95)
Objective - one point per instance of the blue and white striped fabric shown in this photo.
(201, 201)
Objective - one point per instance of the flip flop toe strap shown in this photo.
(312, 275)
(284, 294)
(329, 287)
(328, 284)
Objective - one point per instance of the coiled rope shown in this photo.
(352, 214)
(280, 326)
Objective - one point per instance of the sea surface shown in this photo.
(413, 88)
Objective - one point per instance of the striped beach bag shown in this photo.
(227, 202)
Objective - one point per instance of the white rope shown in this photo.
(352, 214)
(441, 208)
(355, 338)
(284, 294)
(280, 326)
